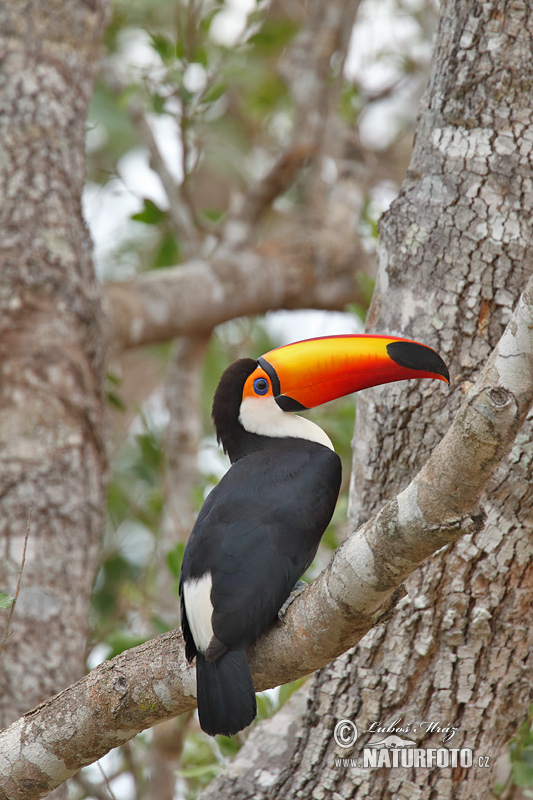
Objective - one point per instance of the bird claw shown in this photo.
(297, 589)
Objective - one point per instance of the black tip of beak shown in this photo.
(416, 356)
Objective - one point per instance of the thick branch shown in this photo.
(192, 299)
(153, 682)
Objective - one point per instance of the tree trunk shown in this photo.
(454, 254)
(51, 412)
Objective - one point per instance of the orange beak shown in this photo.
(308, 373)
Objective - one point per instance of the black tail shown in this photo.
(226, 694)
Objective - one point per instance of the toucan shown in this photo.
(259, 528)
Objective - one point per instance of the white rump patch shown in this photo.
(262, 415)
(197, 595)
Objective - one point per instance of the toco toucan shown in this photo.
(260, 527)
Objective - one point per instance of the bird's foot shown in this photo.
(297, 589)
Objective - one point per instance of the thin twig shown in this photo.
(180, 214)
(106, 781)
(90, 788)
(133, 768)
(17, 590)
(188, 169)
(281, 176)
(328, 140)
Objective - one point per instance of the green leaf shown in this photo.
(185, 95)
(203, 771)
(158, 103)
(214, 92)
(523, 769)
(151, 213)
(174, 559)
(229, 745)
(118, 504)
(151, 451)
(288, 689)
(265, 705)
(115, 401)
(213, 215)
(265, 94)
(113, 378)
(200, 55)
(112, 396)
(367, 285)
(111, 112)
(155, 502)
(350, 103)
(167, 253)
(207, 19)
(274, 35)
(5, 600)
(521, 752)
(358, 310)
(164, 46)
(180, 49)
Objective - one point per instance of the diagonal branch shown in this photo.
(153, 682)
(307, 70)
(179, 211)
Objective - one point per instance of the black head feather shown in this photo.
(226, 407)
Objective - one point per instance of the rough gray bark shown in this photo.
(52, 457)
(455, 251)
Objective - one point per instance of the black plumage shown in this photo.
(256, 534)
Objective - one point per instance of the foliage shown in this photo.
(5, 600)
(215, 104)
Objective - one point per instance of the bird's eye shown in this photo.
(260, 386)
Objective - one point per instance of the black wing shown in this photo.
(258, 531)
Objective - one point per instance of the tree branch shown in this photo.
(153, 682)
(181, 216)
(17, 590)
(307, 70)
(191, 299)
